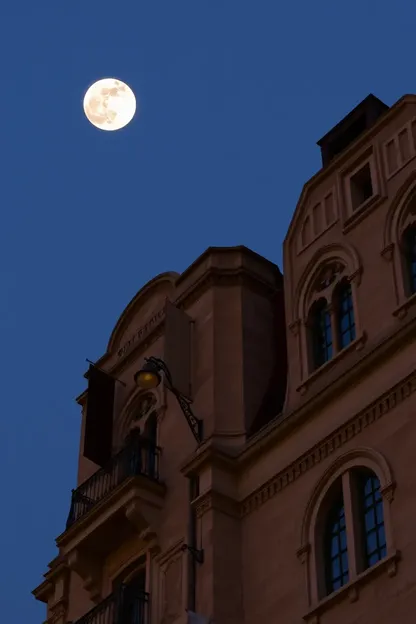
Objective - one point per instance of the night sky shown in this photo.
(233, 96)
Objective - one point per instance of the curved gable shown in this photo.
(145, 304)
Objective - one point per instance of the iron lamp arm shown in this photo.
(195, 424)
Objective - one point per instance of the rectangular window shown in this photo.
(361, 186)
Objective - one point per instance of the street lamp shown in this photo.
(150, 376)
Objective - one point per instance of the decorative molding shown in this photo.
(226, 278)
(401, 311)
(332, 255)
(294, 327)
(210, 454)
(356, 276)
(134, 514)
(89, 570)
(303, 553)
(328, 274)
(219, 502)
(387, 252)
(165, 556)
(58, 612)
(332, 443)
(387, 492)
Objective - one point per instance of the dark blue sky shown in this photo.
(233, 96)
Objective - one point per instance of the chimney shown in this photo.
(360, 119)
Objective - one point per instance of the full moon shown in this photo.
(109, 104)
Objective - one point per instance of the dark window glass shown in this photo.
(372, 520)
(345, 315)
(321, 333)
(336, 554)
(410, 257)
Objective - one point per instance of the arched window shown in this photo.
(320, 333)
(129, 589)
(359, 532)
(344, 310)
(409, 252)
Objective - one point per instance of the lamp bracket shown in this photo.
(194, 423)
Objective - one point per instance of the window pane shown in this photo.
(373, 559)
(344, 562)
(371, 542)
(379, 513)
(381, 536)
(370, 521)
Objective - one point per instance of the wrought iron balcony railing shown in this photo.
(122, 607)
(140, 457)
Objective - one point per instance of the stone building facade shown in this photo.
(299, 503)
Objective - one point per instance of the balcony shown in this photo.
(122, 607)
(140, 458)
(117, 502)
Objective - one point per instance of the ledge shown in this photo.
(362, 212)
(401, 311)
(355, 345)
(350, 591)
(209, 454)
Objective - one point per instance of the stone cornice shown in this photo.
(43, 591)
(326, 447)
(240, 276)
(58, 567)
(209, 454)
(218, 501)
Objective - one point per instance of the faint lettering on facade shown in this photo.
(141, 333)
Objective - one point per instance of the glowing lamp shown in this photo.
(148, 377)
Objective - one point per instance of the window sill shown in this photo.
(355, 345)
(401, 311)
(350, 591)
(362, 211)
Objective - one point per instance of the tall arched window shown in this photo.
(344, 310)
(360, 531)
(320, 333)
(409, 252)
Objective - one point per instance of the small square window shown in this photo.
(361, 186)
